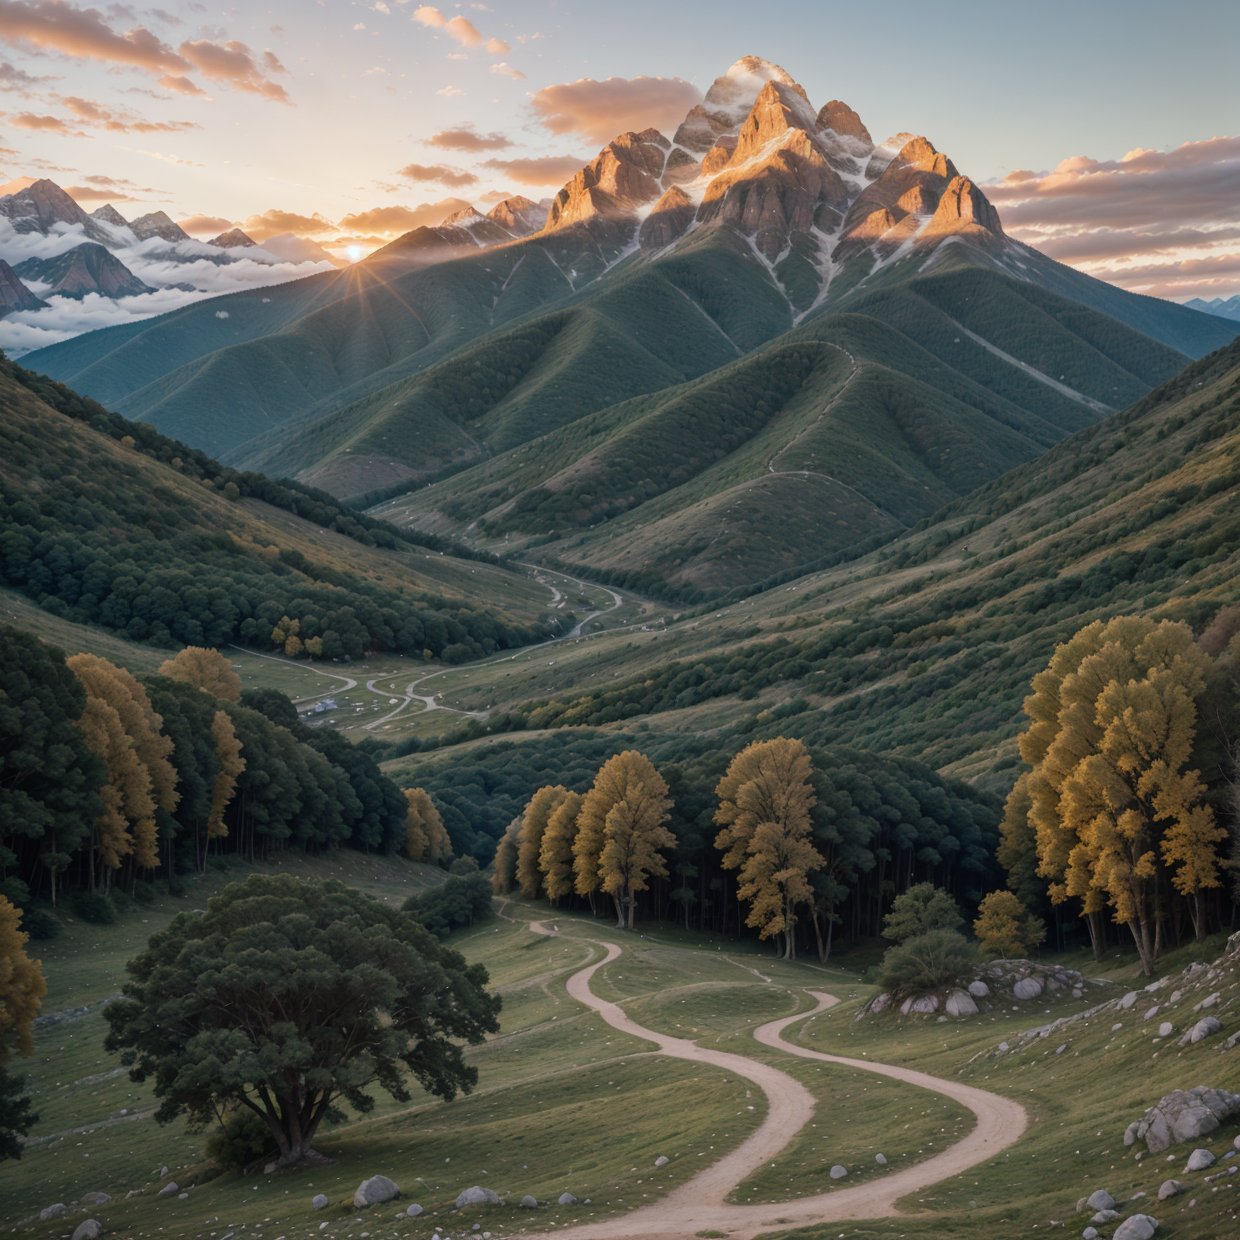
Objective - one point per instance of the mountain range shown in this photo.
(724, 356)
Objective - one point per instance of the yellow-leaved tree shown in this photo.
(1005, 927)
(765, 799)
(426, 838)
(206, 669)
(555, 855)
(122, 727)
(530, 834)
(621, 828)
(21, 986)
(505, 877)
(229, 767)
(1116, 812)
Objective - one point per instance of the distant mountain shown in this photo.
(233, 239)
(293, 249)
(1225, 308)
(110, 215)
(14, 295)
(41, 205)
(158, 224)
(87, 268)
(763, 342)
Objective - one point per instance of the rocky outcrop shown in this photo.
(668, 220)
(1183, 1115)
(727, 103)
(963, 205)
(624, 175)
(841, 119)
(518, 215)
(477, 1196)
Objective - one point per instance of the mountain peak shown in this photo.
(519, 215)
(110, 215)
(841, 119)
(158, 224)
(232, 239)
(729, 101)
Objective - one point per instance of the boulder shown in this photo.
(1138, 1227)
(50, 1212)
(477, 1196)
(168, 1189)
(413, 1210)
(1100, 1199)
(1090, 1233)
(529, 1203)
(1206, 1026)
(978, 989)
(838, 1172)
(880, 1003)
(662, 1160)
(88, 1229)
(1127, 1001)
(1166, 1029)
(960, 1003)
(566, 1199)
(1027, 988)
(1105, 1216)
(96, 1199)
(1170, 1188)
(881, 1159)
(320, 1201)
(375, 1191)
(922, 1005)
(1183, 1115)
(1199, 1160)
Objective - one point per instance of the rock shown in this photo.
(662, 1160)
(1105, 1216)
(168, 1189)
(922, 1005)
(880, 1003)
(566, 1199)
(1183, 1115)
(1206, 1026)
(1208, 1002)
(1236, 1143)
(1100, 1199)
(1027, 988)
(320, 1201)
(881, 1159)
(1150, 1013)
(1090, 1233)
(960, 1003)
(375, 1191)
(1004, 1048)
(1199, 1160)
(89, 1229)
(529, 1203)
(1166, 1029)
(477, 1196)
(1115, 1028)
(51, 1212)
(1169, 1188)
(838, 1172)
(978, 989)
(1059, 1050)
(1138, 1227)
(96, 1199)
(413, 1210)
(1127, 1001)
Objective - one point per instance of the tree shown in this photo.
(505, 877)
(534, 821)
(936, 960)
(1005, 927)
(287, 997)
(426, 838)
(459, 901)
(1116, 811)
(922, 908)
(555, 853)
(620, 830)
(230, 766)
(21, 995)
(765, 799)
(205, 669)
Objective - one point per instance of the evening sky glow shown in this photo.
(352, 122)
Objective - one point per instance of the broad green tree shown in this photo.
(765, 799)
(920, 909)
(288, 998)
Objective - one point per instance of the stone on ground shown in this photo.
(1027, 988)
(375, 1191)
(477, 1196)
(1138, 1227)
(529, 1203)
(413, 1210)
(1199, 1160)
(168, 1189)
(662, 1160)
(1183, 1115)
(96, 1199)
(1203, 1029)
(881, 1159)
(1100, 1199)
(88, 1229)
(50, 1212)
(567, 1199)
(1170, 1188)
(319, 1201)
(838, 1172)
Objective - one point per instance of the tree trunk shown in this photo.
(632, 902)
(619, 911)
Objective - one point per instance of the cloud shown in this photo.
(459, 28)
(601, 110)
(118, 120)
(18, 80)
(41, 123)
(449, 91)
(275, 221)
(57, 26)
(100, 188)
(212, 225)
(538, 170)
(467, 138)
(504, 69)
(181, 85)
(388, 222)
(497, 47)
(1158, 222)
(456, 177)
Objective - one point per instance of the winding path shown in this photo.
(700, 1203)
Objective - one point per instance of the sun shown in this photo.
(355, 253)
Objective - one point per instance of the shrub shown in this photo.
(41, 923)
(95, 907)
(922, 908)
(937, 960)
(240, 1140)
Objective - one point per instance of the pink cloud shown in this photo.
(601, 110)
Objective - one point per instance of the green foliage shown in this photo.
(243, 1138)
(96, 907)
(287, 996)
(41, 923)
(17, 1116)
(936, 960)
(919, 910)
(461, 900)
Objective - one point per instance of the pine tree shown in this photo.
(230, 766)
(621, 830)
(765, 798)
(205, 669)
(555, 855)
(505, 877)
(530, 834)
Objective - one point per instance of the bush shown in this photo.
(922, 908)
(95, 907)
(243, 1138)
(457, 902)
(41, 923)
(938, 960)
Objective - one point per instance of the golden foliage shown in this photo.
(21, 985)
(534, 821)
(205, 669)
(555, 854)
(229, 767)
(426, 838)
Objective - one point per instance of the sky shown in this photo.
(1107, 134)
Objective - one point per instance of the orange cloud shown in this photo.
(459, 28)
(601, 110)
(210, 225)
(456, 177)
(44, 124)
(118, 120)
(390, 222)
(466, 138)
(538, 170)
(234, 64)
(274, 222)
